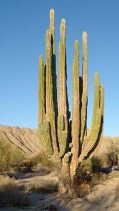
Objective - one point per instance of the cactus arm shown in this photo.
(95, 133)
(52, 31)
(62, 85)
(50, 110)
(102, 100)
(45, 137)
(92, 139)
(96, 97)
(41, 92)
(62, 135)
(75, 110)
(62, 107)
(84, 89)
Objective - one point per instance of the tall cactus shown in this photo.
(68, 144)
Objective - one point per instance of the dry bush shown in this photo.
(89, 167)
(11, 194)
(10, 156)
(43, 160)
(112, 155)
(43, 186)
(40, 160)
(117, 192)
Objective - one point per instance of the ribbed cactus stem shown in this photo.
(62, 135)
(96, 97)
(84, 88)
(49, 85)
(62, 103)
(75, 109)
(50, 110)
(41, 97)
(95, 132)
(85, 64)
(102, 108)
(102, 99)
(52, 31)
(92, 140)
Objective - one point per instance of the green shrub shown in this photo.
(112, 155)
(42, 160)
(96, 164)
(10, 156)
(91, 165)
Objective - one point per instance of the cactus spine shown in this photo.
(69, 145)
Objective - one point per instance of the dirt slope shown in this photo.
(24, 138)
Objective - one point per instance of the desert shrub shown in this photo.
(11, 194)
(46, 187)
(10, 156)
(96, 164)
(112, 155)
(42, 160)
(117, 191)
(91, 165)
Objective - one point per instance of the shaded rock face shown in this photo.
(25, 139)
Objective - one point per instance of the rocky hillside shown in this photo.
(27, 140)
(24, 138)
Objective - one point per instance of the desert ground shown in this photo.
(41, 189)
(40, 185)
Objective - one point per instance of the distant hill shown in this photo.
(25, 139)
(28, 141)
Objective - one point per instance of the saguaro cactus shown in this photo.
(67, 144)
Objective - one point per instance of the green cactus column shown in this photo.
(52, 31)
(75, 111)
(96, 97)
(41, 92)
(84, 88)
(102, 101)
(50, 110)
(62, 90)
(62, 104)
(93, 138)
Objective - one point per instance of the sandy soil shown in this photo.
(41, 188)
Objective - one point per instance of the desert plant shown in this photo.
(42, 160)
(65, 140)
(112, 155)
(10, 156)
(11, 194)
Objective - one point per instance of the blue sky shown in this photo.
(23, 24)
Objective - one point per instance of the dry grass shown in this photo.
(10, 156)
(11, 194)
(117, 192)
(47, 184)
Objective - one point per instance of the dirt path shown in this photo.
(41, 188)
